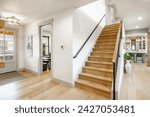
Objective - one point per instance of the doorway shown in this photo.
(46, 48)
(8, 50)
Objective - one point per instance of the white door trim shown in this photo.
(47, 22)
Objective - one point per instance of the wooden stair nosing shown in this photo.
(107, 36)
(116, 24)
(115, 28)
(99, 69)
(103, 51)
(109, 29)
(96, 77)
(103, 57)
(94, 86)
(98, 64)
(111, 34)
(103, 46)
(105, 63)
(105, 41)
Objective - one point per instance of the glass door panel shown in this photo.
(8, 50)
(9, 46)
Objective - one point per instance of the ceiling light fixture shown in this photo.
(140, 18)
(13, 20)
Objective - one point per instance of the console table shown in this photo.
(135, 55)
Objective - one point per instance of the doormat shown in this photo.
(10, 77)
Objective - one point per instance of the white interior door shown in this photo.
(8, 50)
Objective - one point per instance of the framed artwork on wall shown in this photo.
(30, 46)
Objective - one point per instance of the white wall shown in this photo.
(85, 20)
(63, 36)
(70, 30)
(110, 14)
(120, 72)
(32, 63)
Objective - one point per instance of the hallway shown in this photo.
(136, 85)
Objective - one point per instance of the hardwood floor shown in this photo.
(136, 85)
(43, 88)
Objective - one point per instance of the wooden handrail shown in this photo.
(116, 45)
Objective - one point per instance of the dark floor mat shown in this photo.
(10, 77)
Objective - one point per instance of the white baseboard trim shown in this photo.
(24, 69)
(63, 82)
(20, 69)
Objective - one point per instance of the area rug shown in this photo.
(10, 77)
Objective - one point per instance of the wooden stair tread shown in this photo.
(114, 28)
(99, 69)
(110, 29)
(111, 34)
(103, 51)
(115, 24)
(107, 63)
(97, 77)
(104, 44)
(101, 57)
(103, 47)
(106, 40)
(93, 85)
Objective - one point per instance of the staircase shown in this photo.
(97, 75)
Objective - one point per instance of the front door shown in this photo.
(8, 50)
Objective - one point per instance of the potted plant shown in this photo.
(127, 57)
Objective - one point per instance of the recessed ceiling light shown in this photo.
(136, 26)
(140, 18)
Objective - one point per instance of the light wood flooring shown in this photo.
(43, 88)
(136, 85)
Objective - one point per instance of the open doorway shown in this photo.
(46, 48)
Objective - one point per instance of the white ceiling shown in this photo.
(130, 10)
(30, 10)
